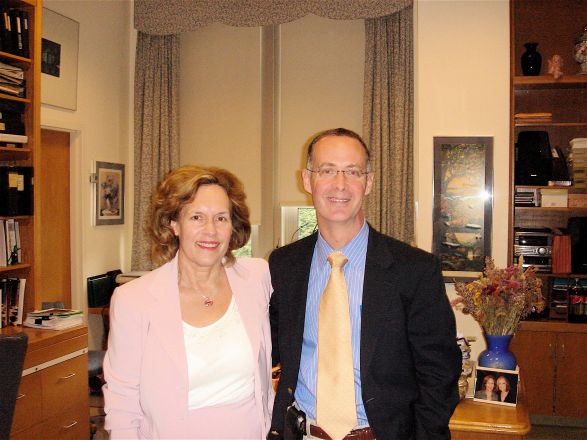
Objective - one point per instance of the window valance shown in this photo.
(165, 17)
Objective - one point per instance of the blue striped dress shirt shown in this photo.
(354, 271)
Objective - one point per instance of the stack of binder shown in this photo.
(12, 80)
(14, 31)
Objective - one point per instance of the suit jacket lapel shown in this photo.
(375, 288)
(166, 322)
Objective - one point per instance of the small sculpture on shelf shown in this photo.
(467, 367)
(555, 66)
(13, 257)
(581, 51)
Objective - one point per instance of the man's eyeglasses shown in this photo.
(331, 173)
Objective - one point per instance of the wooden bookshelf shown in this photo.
(26, 156)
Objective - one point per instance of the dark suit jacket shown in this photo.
(410, 362)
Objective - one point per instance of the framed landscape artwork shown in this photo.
(463, 196)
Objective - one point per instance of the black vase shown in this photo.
(531, 60)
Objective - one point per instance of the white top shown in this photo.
(221, 370)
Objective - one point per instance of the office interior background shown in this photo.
(461, 81)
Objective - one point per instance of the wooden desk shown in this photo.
(484, 421)
(53, 392)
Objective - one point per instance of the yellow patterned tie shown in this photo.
(336, 411)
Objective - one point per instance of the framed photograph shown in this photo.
(495, 386)
(59, 50)
(463, 199)
(109, 193)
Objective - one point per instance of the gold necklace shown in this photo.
(208, 299)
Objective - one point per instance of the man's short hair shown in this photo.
(342, 132)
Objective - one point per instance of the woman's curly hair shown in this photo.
(178, 189)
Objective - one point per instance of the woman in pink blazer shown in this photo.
(190, 345)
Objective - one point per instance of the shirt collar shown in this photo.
(354, 248)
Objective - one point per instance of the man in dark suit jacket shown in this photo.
(405, 356)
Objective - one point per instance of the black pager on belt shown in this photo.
(295, 424)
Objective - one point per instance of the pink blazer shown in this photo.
(146, 391)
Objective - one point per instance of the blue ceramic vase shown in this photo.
(498, 354)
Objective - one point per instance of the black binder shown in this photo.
(16, 191)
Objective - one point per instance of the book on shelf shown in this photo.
(13, 138)
(54, 319)
(16, 26)
(18, 248)
(24, 22)
(5, 31)
(13, 291)
(3, 311)
(11, 242)
(560, 183)
(3, 256)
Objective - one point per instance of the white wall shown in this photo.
(318, 85)
(462, 89)
(101, 130)
(220, 103)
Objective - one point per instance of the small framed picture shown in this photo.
(109, 193)
(499, 387)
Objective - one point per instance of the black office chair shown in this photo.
(12, 352)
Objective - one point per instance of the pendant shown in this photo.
(208, 301)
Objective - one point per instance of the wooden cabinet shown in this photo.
(26, 156)
(53, 394)
(554, 25)
(551, 357)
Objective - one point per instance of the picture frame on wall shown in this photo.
(109, 204)
(463, 203)
(59, 60)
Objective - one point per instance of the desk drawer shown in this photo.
(28, 404)
(71, 424)
(65, 385)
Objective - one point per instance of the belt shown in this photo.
(355, 434)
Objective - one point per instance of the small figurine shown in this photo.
(467, 366)
(581, 51)
(555, 66)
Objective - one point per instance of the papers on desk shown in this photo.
(54, 319)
